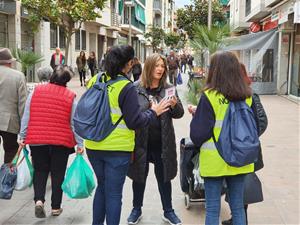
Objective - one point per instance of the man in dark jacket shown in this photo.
(173, 64)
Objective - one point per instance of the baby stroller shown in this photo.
(190, 181)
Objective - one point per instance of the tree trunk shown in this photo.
(68, 36)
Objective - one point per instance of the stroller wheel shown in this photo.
(187, 201)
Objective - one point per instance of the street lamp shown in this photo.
(129, 4)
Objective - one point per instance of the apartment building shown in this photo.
(271, 47)
(121, 21)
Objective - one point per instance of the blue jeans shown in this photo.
(111, 170)
(213, 188)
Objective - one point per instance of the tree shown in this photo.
(172, 39)
(197, 13)
(26, 58)
(67, 14)
(156, 35)
(211, 40)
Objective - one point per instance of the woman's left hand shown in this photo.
(173, 101)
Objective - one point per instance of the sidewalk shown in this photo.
(280, 179)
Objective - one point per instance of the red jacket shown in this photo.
(50, 116)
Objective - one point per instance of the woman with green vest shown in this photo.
(110, 157)
(224, 84)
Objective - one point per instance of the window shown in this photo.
(77, 40)
(62, 38)
(248, 7)
(83, 40)
(53, 36)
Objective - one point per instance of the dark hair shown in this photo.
(61, 75)
(117, 58)
(225, 76)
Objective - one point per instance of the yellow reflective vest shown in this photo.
(121, 138)
(211, 163)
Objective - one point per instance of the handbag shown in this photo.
(179, 79)
(8, 177)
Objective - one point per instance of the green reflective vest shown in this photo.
(122, 138)
(211, 163)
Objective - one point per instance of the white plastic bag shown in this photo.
(24, 171)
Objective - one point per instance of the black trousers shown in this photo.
(49, 159)
(165, 188)
(82, 76)
(10, 145)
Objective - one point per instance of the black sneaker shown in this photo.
(135, 216)
(227, 222)
(171, 218)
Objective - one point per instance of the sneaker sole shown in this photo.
(137, 221)
(167, 220)
(39, 211)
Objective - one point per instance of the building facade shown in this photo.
(270, 49)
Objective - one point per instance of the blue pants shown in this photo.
(213, 188)
(110, 169)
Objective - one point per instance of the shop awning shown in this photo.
(250, 41)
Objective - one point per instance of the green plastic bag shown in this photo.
(79, 180)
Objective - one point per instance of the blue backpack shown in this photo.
(238, 143)
(92, 119)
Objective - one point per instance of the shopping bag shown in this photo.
(8, 177)
(24, 171)
(179, 79)
(79, 180)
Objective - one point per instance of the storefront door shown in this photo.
(294, 84)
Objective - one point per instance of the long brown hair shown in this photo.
(226, 77)
(149, 67)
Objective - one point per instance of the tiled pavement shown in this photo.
(280, 179)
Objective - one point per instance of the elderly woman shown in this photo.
(50, 134)
(44, 73)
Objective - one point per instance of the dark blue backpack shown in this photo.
(92, 119)
(238, 143)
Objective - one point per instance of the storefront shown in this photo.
(294, 81)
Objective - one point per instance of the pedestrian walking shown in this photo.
(92, 63)
(190, 62)
(173, 65)
(49, 132)
(224, 84)
(110, 157)
(81, 63)
(57, 58)
(156, 142)
(136, 69)
(253, 191)
(12, 102)
(183, 62)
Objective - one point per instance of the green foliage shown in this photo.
(26, 58)
(211, 40)
(172, 39)
(197, 14)
(64, 13)
(196, 87)
(156, 35)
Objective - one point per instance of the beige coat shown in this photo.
(13, 95)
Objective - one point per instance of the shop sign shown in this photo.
(8, 6)
(297, 12)
(269, 25)
(255, 27)
(275, 16)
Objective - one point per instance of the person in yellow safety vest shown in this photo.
(110, 157)
(224, 84)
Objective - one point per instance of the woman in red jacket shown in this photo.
(47, 128)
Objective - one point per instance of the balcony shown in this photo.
(115, 22)
(271, 3)
(237, 16)
(255, 11)
(136, 27)
(157, 7)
